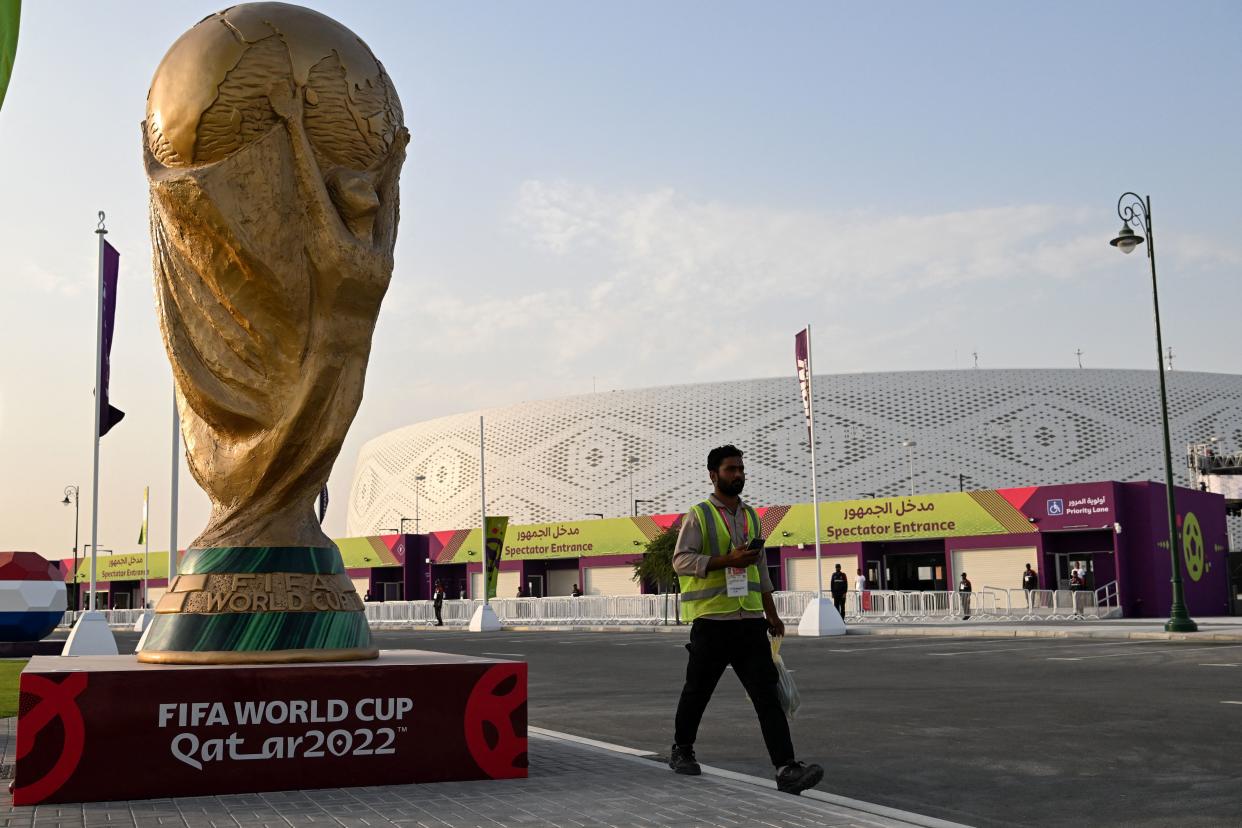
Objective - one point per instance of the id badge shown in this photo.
(736, 583)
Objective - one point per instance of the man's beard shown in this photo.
(732, 489)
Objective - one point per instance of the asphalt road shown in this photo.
(1003, 732)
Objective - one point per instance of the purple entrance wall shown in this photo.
(1070, 507)
(1143, 551)
(413, 551)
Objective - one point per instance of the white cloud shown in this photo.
(657, 287)
(669, 244)
(48, 281)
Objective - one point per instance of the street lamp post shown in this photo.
(1136, 212)
(418, 485)
(909, 445)
(633, 461)
(73, 491)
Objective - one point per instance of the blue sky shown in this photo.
(630, 194)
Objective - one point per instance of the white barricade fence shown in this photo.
(1108, 601)
(876, 605)
(1053, 604)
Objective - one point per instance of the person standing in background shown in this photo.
(1030, 583)
(437, 602)
(838, 585)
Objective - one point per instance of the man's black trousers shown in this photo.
(714, 645)
(838, 601)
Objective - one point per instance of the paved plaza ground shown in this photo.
(570, 786)
(1016, 730)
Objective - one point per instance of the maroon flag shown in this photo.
(802, 357)
(108, 416)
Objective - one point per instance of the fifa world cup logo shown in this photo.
(273, 143)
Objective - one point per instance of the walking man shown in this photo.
(838, 585)
(726, 594)
(438, 603)
(964, 587)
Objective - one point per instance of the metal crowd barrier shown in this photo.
(1053, 604)
(587, 609)
(877, 605)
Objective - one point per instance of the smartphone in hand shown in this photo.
(756, 544)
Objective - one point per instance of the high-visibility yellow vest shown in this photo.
(709, 595)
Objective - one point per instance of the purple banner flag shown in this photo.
(802, 357)
(108, 416)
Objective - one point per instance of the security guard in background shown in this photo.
(727, 596)
(839, 585)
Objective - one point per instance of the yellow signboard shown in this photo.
(123, 567)
(953, 514)
(569, 539)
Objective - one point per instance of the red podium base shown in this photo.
(97, 728)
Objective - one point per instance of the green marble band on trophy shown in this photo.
(265, 604)
(273, 146)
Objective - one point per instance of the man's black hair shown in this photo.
(718, 455)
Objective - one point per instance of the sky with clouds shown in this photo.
(620, 195)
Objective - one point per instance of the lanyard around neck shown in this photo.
(724, 516)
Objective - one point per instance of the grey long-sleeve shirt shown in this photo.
(690, 560)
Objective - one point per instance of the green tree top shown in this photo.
(656, 564)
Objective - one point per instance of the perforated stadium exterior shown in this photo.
(564, 459)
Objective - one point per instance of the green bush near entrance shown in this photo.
(9, 672)
(656, 564)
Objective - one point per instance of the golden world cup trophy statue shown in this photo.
(273, 142)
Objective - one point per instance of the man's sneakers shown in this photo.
(796, 777)
(682, 761)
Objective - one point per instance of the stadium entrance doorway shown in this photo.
(918, 572)
(1067, 562)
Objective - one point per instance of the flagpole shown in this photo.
(484, 618)
(90, 634)
(483, 509)
(176, 469)
(818, 617)
(810, 395)
(146, 542)
(100, 231)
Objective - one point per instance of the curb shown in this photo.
(1090, 631)
(646, 757)
(1029, 632)
(1098, 633)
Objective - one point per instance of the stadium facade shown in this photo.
(643, 452)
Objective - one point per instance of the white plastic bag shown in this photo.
(786, 690)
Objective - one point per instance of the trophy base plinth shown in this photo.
(259, 605)
(306, 656)
(215, 729)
